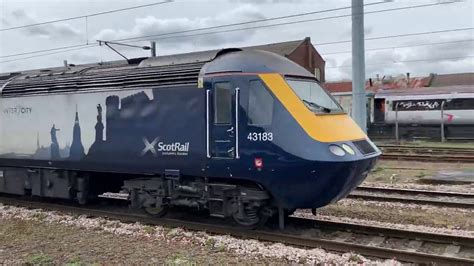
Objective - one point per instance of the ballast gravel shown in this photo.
(406, 214)
(238, 246)
(389, 205)
(411, 227)
(444, 188)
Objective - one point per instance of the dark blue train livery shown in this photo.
(244, 135)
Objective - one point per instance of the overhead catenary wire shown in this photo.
(65, 48)
(166, 35)
(406, 61)
(86, 16)
(52, 53)
(199, 29)
(398, 35)
(402, 46)
(75, 47)
(249, 22)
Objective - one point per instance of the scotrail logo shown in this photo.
(156, 146)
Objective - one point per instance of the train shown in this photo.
(246, 136)
(421, 112)
(418, 113)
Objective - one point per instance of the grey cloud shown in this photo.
(374, 61)
(387, 62)
(5, 22)
(54, 31)
(270, 1)
(50, 31)
(421, 68)
(330, 61)
(447, 50)
(151, 25)
(19, 14)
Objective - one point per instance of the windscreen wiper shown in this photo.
(325, 109)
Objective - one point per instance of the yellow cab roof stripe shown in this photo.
(324, 128)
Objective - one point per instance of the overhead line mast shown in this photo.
(359, 101)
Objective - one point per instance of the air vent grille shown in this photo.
(364, 146)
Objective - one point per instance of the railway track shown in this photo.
(416, 196)
(418, 153)
(370, 241)
(413, 148)
(427, 158)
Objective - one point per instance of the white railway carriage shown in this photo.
(426, 106)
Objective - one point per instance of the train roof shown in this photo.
(253, 61)
(282, 48)
(452, 91)
(171, 70)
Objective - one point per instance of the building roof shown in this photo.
(281, 48)
(338, 87)
(452, 79)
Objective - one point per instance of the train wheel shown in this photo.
(157, 212)
(250, 218)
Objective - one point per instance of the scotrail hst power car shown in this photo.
(245, 135)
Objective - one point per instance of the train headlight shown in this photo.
(348, 149)
(336, 150)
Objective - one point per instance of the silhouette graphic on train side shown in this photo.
(77, 149)
(54, 143)
(128, 121)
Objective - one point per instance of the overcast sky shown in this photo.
(187, 14)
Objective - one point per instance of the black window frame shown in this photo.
(217, 109)
(460, 104)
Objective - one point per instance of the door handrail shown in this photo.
(208, 152)
(237, 93)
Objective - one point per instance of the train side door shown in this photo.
(222, 117)
(379, 110)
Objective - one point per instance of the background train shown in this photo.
(244, 134)
(421, 112)
(417, 110)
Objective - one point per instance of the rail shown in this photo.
(458, 249)
(416, 196)
(424, 153)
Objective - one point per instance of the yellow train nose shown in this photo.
(321, 127)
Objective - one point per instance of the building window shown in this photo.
(260, 111)
(317, 73)
(222, 103)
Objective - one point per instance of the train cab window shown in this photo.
(314, 96)
(222, 103)
(260, 111)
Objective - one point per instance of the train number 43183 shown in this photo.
(265, 136)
